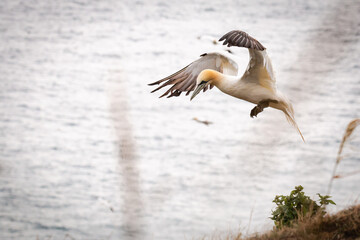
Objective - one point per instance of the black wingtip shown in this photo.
(152, 84)
(232, 38)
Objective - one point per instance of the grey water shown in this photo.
(86, 152)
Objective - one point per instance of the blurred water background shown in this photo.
(86, 152)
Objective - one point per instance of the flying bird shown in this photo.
(257, 85)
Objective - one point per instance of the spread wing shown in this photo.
(241, 39)
(259, 69)
(184, 80)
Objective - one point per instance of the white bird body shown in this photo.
(239, 87)
(257, 85)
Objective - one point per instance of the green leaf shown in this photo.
(297, 203)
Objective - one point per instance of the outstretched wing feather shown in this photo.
(241, 39)
(184, 80)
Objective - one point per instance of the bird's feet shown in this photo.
(260, 107)
(256, 110)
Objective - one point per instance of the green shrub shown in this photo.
(297, 204)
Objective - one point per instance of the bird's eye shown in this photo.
(203, 82)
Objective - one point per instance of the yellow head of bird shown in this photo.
(205, 78)
(207, 75)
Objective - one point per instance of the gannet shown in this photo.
(256, 85)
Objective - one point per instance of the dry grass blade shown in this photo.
(129, 173)
(347, 174)
(349, 130)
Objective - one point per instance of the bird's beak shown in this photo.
(199, 87)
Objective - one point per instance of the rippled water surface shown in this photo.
(86, 152)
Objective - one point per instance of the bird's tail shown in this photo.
(286, 106)
(291, 119)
